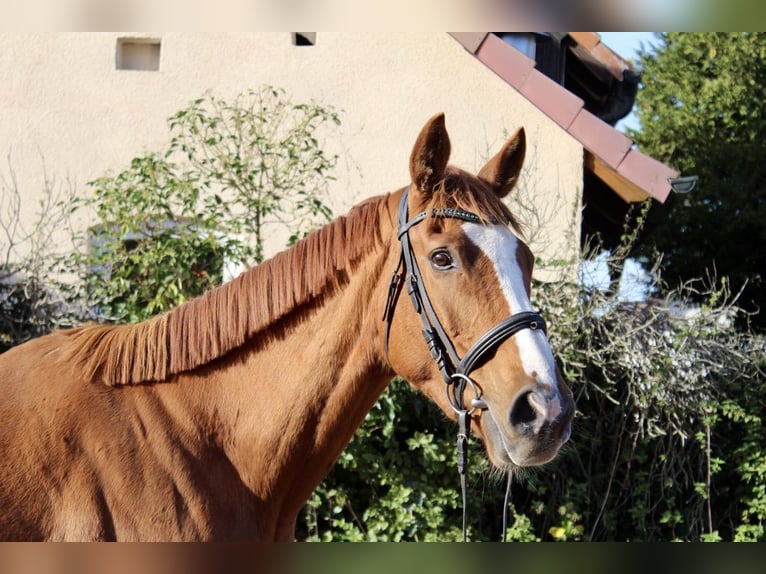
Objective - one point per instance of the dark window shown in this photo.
(304, 38)
(138, 54)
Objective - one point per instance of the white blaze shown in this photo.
(499, 245)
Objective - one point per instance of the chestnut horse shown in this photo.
(218, 419)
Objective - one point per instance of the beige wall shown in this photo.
(62, 101)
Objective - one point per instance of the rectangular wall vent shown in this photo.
(138, 54)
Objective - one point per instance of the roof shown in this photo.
(609, 154)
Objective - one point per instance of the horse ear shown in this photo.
(428, 160)
(502, 171)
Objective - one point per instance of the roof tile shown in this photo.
(470, 40)
(647, 173)
(587, 40)
(600, 138)
(507, 62)
(558, 103)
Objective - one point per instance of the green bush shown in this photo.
(668, 441)
(29, 308)
(158, 242)
(33, 301)
(168, 225)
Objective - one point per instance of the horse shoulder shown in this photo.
(78, 447)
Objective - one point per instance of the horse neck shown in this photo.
(284, 409)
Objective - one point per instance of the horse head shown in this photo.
(468, 272)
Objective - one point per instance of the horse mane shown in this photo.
(221, 320)
(209, 326)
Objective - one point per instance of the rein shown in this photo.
(454, 370)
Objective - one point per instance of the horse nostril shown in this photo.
(523, 410)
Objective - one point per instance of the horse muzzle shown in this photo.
(532, 431)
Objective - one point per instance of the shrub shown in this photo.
(667, 444)
(172, 224)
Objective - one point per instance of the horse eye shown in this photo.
(442, 260)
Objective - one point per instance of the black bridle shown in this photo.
(454, 370)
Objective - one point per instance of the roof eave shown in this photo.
(609, 154)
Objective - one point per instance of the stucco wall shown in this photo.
(64, 103)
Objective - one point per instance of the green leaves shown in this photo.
(263, 154)
(701, 109)
(397, 479)
(234, 172)
(667, 444)
(155, 245)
